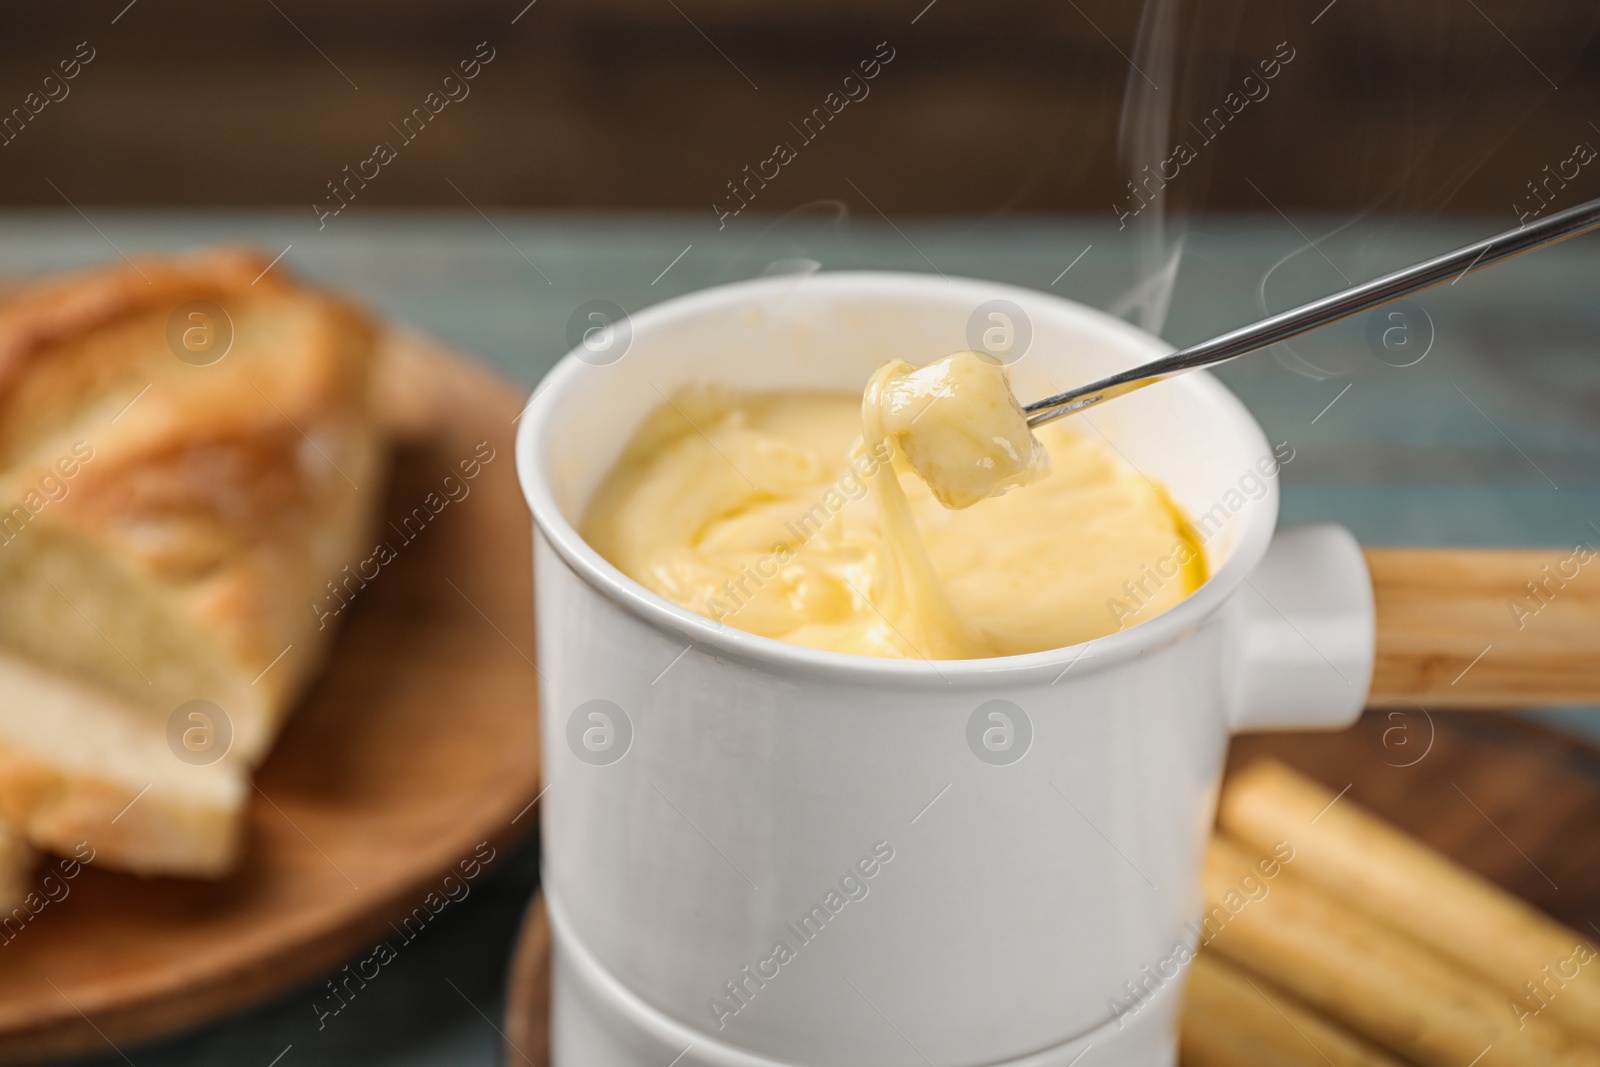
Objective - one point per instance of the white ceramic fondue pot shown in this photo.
(760, 854)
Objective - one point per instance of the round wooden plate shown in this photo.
(1513, 801)
(418, 742)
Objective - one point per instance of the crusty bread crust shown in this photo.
(37, 316)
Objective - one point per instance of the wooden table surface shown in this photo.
(1490, 439)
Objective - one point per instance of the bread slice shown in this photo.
(168, 528)
(87, 771)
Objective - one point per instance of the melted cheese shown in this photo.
(802, 516)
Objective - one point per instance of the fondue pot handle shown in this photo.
(1486, 628)
(1300, 634)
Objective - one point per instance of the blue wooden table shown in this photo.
(1472, 419)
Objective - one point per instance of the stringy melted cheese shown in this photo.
(802, 516)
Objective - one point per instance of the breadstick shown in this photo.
(1549, 970)
(1232, 1019)
(1371, 977)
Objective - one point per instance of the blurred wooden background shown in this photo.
(1422, 107)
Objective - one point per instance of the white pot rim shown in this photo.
(781, 658)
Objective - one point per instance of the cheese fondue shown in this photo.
(923, 520)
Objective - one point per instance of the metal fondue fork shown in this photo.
(1347, 302)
